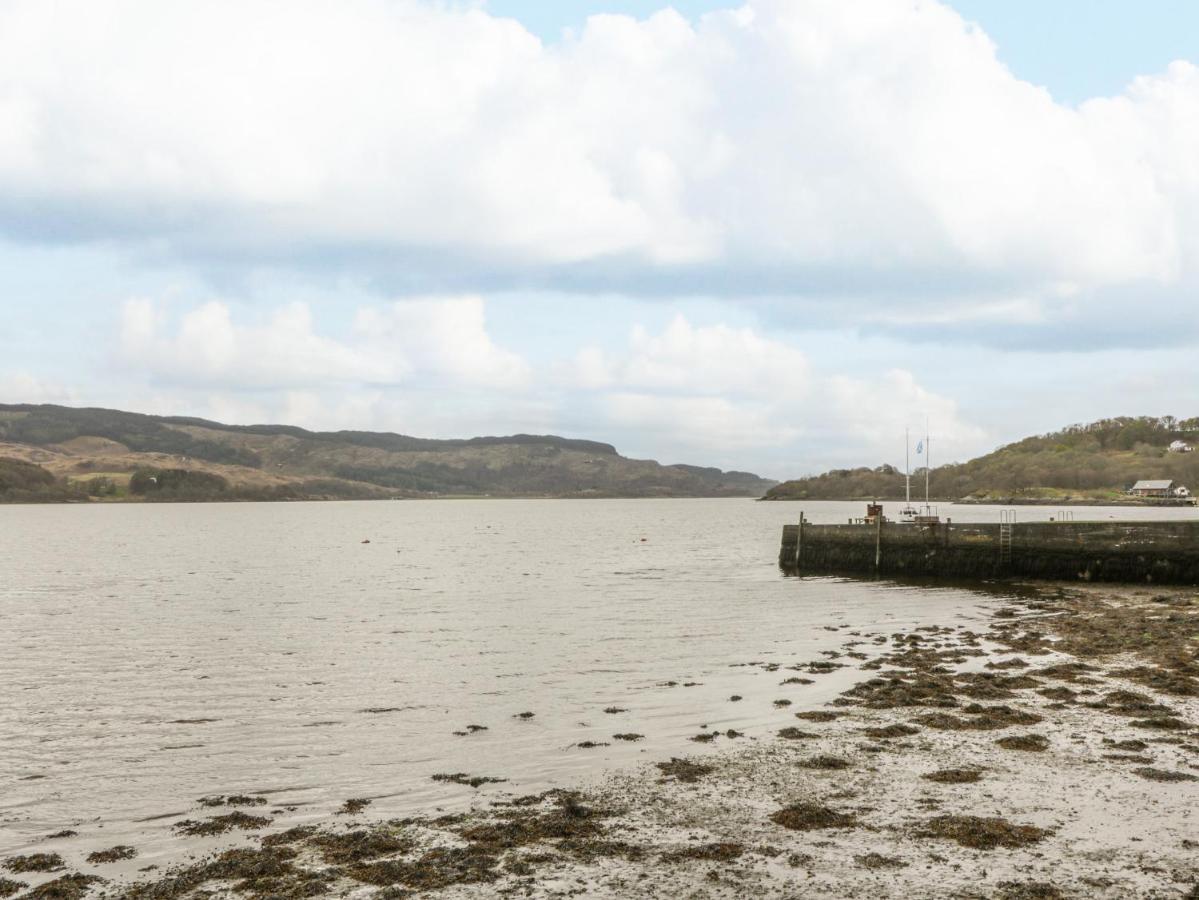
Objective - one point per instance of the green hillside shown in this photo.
(1096, 461)
(98, 453)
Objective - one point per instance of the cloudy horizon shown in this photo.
(765, 236)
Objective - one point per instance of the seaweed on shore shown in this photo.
(1151, 774)
(1035, 743)
(818, 715)
(1029, 890)
(66, 887)
(953, 776)
(474, 781)
(1164, 681)
(725, 851)
(792, 733)
(1158, 635)
(263, 872)
(34, 862)
(982, 833)
(1161, 723)
(290, 836)
(980, 718)
(112, 854)
(1070, 672)
(353, 806)
(924, 689)
(1059, 694)
(434, 870)
(818, 667)
(1133, 746)
(829, 763)
(990, 686)
(1130, 703)
(684, 770)
(879, 861)
(569, 818)
(8, 887)
(232, 800)
(221, 824)
(359, 846)
(885, 732)
(1014, 663)
(811, 817)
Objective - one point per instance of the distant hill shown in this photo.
(1082, 462)
(112, 455)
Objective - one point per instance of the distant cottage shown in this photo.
(1158, 488)
(1181, 447)
(1152, 488)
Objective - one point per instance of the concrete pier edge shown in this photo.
(1132, 552)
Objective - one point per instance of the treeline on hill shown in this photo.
(192, 486)
(26, 482)
(41, 425)
(171, 484)
(45, 424)
(1103, 458)
(521, 477)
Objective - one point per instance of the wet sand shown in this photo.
(1053, 753)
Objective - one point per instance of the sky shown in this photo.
(767, 236)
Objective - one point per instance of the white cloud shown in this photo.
(433, 340)
(698, 426)
(873, 412)
(22, 387)
(209, 348)
(731, 392)
(445, 336)
(713, 359)
(873, 137)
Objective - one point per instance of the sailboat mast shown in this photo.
(907, 462)
(928, 460)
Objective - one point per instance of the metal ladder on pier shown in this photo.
(1007, 519)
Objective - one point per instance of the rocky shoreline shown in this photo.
(1054, 755)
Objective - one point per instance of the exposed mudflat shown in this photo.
(1053, 754)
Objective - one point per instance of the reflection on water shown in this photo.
(154, 654)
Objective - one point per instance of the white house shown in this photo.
(1181, 447)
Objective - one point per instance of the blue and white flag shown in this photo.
(919, 448)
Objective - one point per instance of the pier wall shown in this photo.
(1157, 552)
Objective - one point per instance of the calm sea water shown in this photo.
(153, 654)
